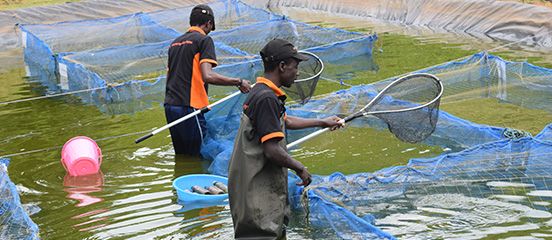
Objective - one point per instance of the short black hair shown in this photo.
(270, 66)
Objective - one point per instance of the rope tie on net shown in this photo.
(514, 134)
(305, 198)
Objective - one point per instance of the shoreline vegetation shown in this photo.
(15, 4)
(543, 3)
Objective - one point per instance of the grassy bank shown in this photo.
(14, 4)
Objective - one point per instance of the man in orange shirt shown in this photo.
(190, 70)
(258, 172)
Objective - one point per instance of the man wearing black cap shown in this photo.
(257, 177)
(190, 68)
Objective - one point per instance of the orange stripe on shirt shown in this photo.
(187, 42)
(198, 95)
(271, 136)
(215, 63)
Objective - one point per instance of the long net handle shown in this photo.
(347, 119)
(190, 115)
(314, 134)
(363, 112)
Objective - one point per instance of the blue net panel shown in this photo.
(41, 42)
(136, 72)
(443, 192)
(228, 14)
(546, 134)
(221, 119)
(302, 35)
(15, 223)
(124, 73)
(483, 165)
(119, 65)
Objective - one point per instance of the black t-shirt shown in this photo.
(264, 106)
(185, 85)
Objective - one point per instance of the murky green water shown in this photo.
(133, 196)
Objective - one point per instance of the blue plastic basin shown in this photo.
(186, 182)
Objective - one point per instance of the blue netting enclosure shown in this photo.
(15, 223)
(228, 14)
(484, 163)
(131, 71)
(463, 187)
(42, 42)
(90, 54)
(489, 177)
(126, 76)
(221, 131)
(302, 35)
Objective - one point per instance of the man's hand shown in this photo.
(244, 86)
(305, 176)
(333, 122)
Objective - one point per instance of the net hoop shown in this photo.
(317, 75)
(402, 79)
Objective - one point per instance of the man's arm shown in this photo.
(300, 123)
(275, 153)
(212, 77)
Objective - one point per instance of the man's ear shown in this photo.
(282, 66)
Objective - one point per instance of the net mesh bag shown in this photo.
(309, 74)
(410, 107)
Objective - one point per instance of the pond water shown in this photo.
(133, 198)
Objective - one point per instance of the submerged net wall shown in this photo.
(134, 74)
(482, 167)
(222, 118)
(302, 35)
(228, 14)
(499, 184)
(14, 220)
(41, 43)
(131, 72)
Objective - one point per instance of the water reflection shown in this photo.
(80, 188)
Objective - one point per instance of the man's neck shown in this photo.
(274, 78)
(203, 28)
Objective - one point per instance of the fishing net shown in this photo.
(488, 179)
(228, 15)
(409, 106)
(495, 184)
(41, 42)
(302, 35)
(222, 118)
(309, 74)
(488, 175)
(15, 221)
(126, 75)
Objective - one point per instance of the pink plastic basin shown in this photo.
(81, 156)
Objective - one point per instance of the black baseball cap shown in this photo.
(280, 49)
(203, 12)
